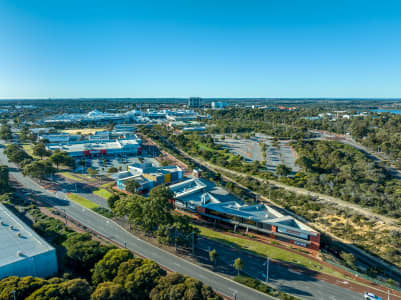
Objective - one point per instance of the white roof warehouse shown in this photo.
(89, 148)
(22, 251)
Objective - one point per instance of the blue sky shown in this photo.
(200, 48)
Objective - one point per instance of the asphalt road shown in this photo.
(291, 281)
(119, 235)
(286, 280)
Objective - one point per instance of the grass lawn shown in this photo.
(103, 193)
(68, 175)
(107, 185)
(81, 201)
(28, 149)
(77, 177)
(268, 250)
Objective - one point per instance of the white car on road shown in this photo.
(370, 296)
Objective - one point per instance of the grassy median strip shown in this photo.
(103, 193)
(82, 201)
(261, 287)
(268, 250)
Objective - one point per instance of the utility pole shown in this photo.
(65, 216)
(388, 294)
(175, 238)
(193, 243)
(267, 269)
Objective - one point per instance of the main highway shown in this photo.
(114, 232)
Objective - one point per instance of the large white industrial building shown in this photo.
(100, 147)
(22, 251)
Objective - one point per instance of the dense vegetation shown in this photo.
(342, 171)
(274, 122)
(97, 271)
(154, 216)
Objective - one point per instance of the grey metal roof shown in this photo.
(17, 240)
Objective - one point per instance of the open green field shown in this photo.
(268, 250)
(77, 177)
(103, 193)
(28, 149)
(82, 201)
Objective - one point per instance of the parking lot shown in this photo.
(102, 164)
(250, 150)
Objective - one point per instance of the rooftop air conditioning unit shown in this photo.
(19, 253)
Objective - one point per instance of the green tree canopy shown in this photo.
(82, 253)
(62, 158)
(109, 291)
(38, 169)
(23, 286)
(75, 289)
(131, 186)
(40, 150)
(175, 286)
(106, 269)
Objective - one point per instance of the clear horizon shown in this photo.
(224, 49)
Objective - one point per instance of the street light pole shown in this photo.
(15, 298)
(235, 295)
(267, 269)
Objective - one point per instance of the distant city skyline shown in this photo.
(210, 49)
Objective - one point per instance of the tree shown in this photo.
(305, 163)
(109, 291)
(92, 172)
(112, 199)
(131, 186)
(141, 280)
(130, 206)
(126, 268)
(62, 158)
(5, 132)
(349, 259)
(106, 269)
(16, 154)
(175, 286)
(23, 286)
(38, 169)
(157, 209)
(4, 180)
(112, 170)
(150, 213)
(213, 256)
(76, 289)
(40, 150)
(283, 170)
(82, 252)
(238, 265)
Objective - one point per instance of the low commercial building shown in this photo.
(99, 148)
(194, 195)
(22, 251)
(60, 137)
(148, 176)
